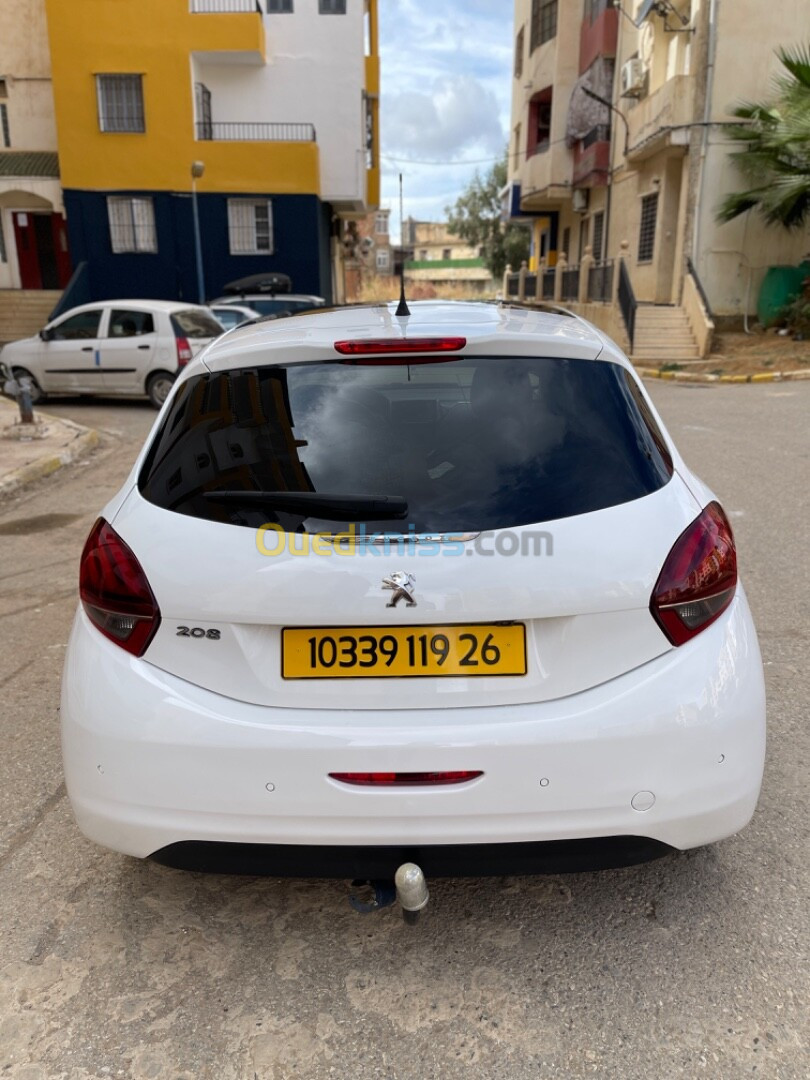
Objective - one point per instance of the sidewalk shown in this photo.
(29, 455)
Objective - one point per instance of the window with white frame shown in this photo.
(120, 103)
(250, 226)
(381, 224)
(383, 260)
(132, 224)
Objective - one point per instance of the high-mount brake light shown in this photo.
(114, 591)
(698, 579)
(400, 346)
(405, 779)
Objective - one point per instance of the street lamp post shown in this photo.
(197, 169)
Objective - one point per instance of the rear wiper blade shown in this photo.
(314, 504)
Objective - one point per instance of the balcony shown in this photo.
(208, 130)
(659, 120)
(545, 179)
(228, 31)
(592, 158)
(223, 7)
(598, 38)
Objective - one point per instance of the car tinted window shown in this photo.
(470, 444)
(83, 325)
(130, 323)
(195, 324)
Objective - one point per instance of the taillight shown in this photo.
(405, 779)
(114, 591)
(184, 353)
(699, 577)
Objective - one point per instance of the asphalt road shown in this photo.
(696, 965)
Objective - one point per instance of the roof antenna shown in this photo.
(402, 307)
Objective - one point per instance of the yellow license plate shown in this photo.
(402, 651)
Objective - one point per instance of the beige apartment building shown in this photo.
(34, 258)
(645, 177)
(439, 257)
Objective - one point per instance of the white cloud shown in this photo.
(445, 96)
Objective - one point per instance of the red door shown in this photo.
(42, 252)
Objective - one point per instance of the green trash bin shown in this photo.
(780, 285)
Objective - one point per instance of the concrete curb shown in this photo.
(695, 377)
(85, 440)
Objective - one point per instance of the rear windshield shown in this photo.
(469, 444)
(195, 324)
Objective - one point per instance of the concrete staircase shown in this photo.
(25, 311)
(663, 335)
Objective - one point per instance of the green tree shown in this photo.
(774, 154)
(476, 218)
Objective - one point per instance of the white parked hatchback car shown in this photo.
(434, 588)
(115, 347)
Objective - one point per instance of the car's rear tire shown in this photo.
(158, 387)
(36, 390)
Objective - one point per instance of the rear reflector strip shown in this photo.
(400, 345)
(404, 779)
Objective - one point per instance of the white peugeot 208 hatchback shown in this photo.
(433, 588)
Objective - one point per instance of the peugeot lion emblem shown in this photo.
(402, 585)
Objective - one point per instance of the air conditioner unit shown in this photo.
(579, 200)
(633, 78)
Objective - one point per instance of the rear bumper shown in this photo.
(370, 862)
(152, 761)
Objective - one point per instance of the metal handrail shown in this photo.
(627, 301)
(254, 132)
(690, 268)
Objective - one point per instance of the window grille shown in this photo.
(598, 234)
(132, 224)
(120, 103)
(250, 226)
(544, 22)
(520, 43)
(646, 235)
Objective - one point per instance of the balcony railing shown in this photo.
(570, 283)
(600, 282)
(223, 7)
(548, 283)
(247, 132)
(600, 133)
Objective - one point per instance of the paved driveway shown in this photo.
(696, 965)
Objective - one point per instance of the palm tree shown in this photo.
(775, 149)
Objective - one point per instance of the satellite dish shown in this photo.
(366, 245)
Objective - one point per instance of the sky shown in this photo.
(445, 68)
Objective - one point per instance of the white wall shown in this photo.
(315, 74)
(732, 259)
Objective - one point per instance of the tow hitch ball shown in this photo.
(409, 888)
